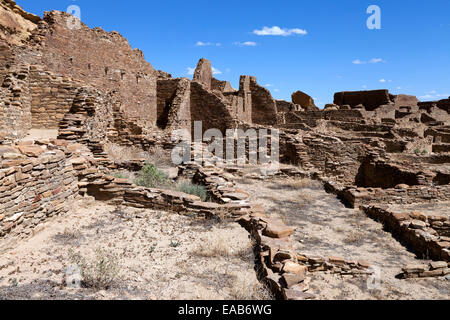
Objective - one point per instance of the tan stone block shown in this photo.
(294, 268)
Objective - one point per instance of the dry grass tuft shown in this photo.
(98, 272)
(355, 237)
(213, 245)
(300, 183)
(246, 287)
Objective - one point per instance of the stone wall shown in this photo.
(35, 183)
(174, 105)
(416, 231)
(210, 108)
(15, 102)
(101, 59)
(51, 97)
(264, 107)
(371, 100)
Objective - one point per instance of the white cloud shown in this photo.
(207, 44)
(268, 85)
(357, 61)
(190, 71)
(216, 71)
(376, 60)
(372, 61)
(246, 44)
(277, 31)
(276, 90)
(433, 95)
(364, 86)
(384, 80)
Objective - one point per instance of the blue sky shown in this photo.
(325, 45)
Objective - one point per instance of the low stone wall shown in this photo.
(356, 197)
(283, 270)
(35, 183)
(433, 269)
(415, 230)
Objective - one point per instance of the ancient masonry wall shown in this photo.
(51, 97)
(174, 105)
(34, 184)
(264, 107)
(427, 236)
(100, 59)
(15, 103)
(209, 108)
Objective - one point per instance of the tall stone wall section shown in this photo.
(15, 103)
(103, 60)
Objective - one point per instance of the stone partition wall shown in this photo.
(355, 197)
(35, 183)
(416, 231)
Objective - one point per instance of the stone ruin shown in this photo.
(374, 150)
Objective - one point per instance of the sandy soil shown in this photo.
(325, 227)
(39, 134)
(161, 256)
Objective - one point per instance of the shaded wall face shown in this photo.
(264, 109)
(166, 92)
(382, 175)
(210, 109)
(105, 61)
(370, 99)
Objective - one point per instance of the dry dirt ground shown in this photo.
(159, 256)
(325, 227)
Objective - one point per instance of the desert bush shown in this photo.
(99, 272)
(194, 189)
(151, 177)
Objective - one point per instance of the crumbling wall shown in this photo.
(100, 59)
(209, 108)
(371, 100)
(51, 97)
(17, 24)
(264, 108)
(174, 109)
(15, 102)
(35, 184)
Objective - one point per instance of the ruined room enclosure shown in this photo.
(324, 227)
(159, 256)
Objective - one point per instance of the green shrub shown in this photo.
(151, 177)
(194, 189)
